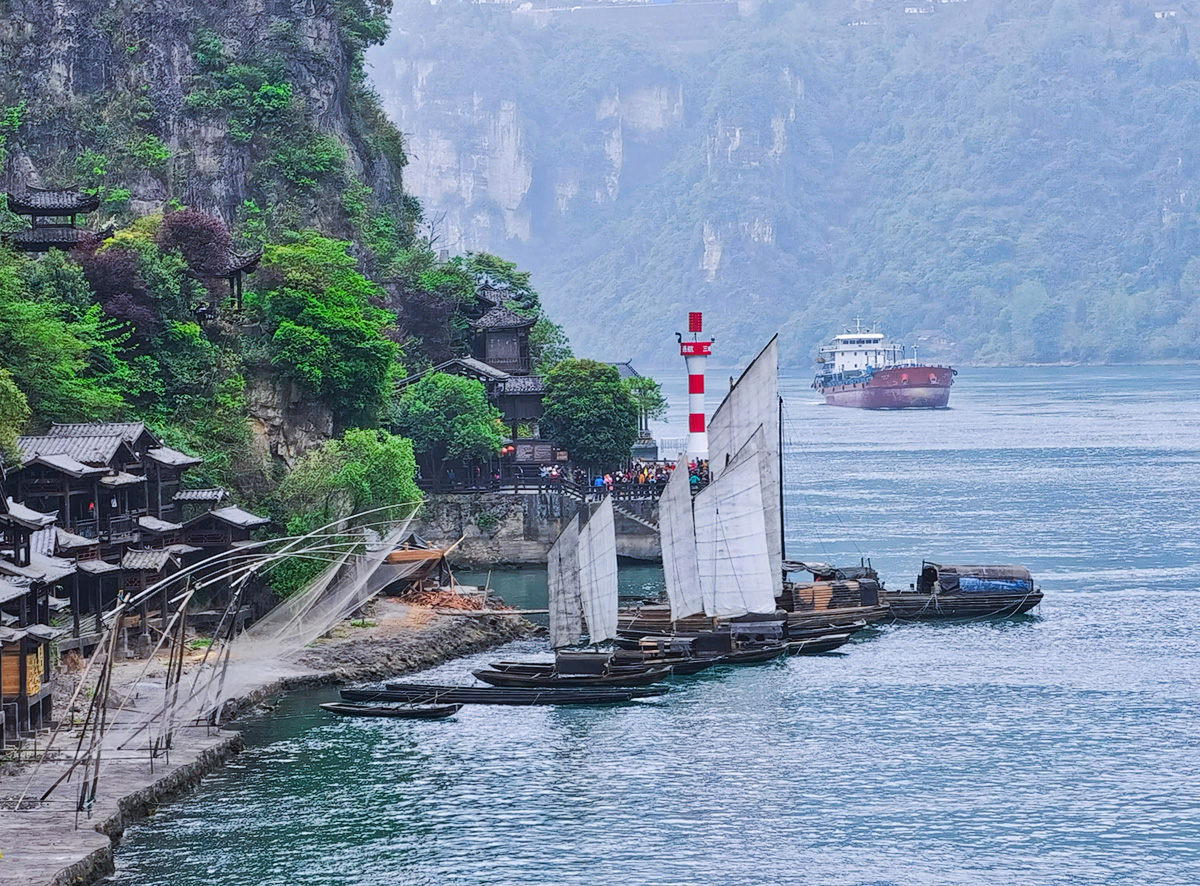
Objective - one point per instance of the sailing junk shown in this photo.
(723, 551)
(582, 578)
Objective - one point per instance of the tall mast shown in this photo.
(782, 521)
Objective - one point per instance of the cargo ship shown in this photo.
(859, 368)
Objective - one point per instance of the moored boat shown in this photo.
(860, 369)
(966, 592)
(431, 693)
(402, 711)
(555, 678)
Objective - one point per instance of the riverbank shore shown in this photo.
(41, 844)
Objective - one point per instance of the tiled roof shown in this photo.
(12, 569)
(96, 567)
(146, 561)
(12, 590)
(235, 516)
(179, 549)
(42, 541)
(476, 366)
(11, 635)
(154, 524)
(45, 632)
(66, 464)
(217, 495)
(502, 318)
(93, 449)
(525, 384)
(28, 517)
(235, 262)
(46, 200)
(69, 540)
(172, 457)
(53, 568)
(129, 431)
(121, 478)
(489, 293)
(626, 370)
(56, 236)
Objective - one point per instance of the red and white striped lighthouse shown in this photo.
(695, 353)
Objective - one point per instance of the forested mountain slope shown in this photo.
(1012, 180)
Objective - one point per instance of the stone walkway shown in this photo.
(42, 845)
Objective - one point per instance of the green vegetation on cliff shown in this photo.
(590, 412)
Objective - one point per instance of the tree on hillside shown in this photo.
(325, 330)
(61, 356)
(364, 470)
(548, 345)
(521, 293)
(447, 417)
(647, 394)
(589, 411)
(14, 412)
(203, 240)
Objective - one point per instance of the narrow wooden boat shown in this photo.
(752, 656)
(426, 693)
(404, 712)
(679, 666)
(687, 667)
(632, 677)
(818, 644)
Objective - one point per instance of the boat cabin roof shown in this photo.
(1016, 573)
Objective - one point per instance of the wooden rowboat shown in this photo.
(635, 677)
(752, 656)
(405, 712)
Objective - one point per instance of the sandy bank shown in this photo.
(41, 844)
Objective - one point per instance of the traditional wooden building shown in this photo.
(194, 502)
(233, 270)
(52, 214)
(26, 668)
(500, 338)
(160, 466)
(222, 528)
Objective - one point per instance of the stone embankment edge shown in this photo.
(141, 803)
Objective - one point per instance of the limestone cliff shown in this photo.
(251, 109)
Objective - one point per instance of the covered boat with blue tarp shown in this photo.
(966, 592)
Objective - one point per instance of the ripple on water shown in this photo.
(1054, 749)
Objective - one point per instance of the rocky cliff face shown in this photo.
(253, 110)
(209, 105)
(547, 156)
(492, 169)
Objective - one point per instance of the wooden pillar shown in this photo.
(76, 602)
(22, 683)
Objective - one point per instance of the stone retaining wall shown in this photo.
(518, 528)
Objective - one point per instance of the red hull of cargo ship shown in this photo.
(907, 387)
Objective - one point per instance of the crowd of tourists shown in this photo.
(639, 479)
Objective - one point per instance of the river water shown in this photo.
(1058, 748)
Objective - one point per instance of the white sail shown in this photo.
(598, 573)
(731, 542)
(677, 534)
(563, 582)
(753, 402)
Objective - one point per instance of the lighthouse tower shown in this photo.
(695, 353)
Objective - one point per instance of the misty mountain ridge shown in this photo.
(1010, 181)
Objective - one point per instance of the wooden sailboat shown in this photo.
(745, 436)
(582, 584)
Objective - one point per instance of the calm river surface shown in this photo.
(1062, 748)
